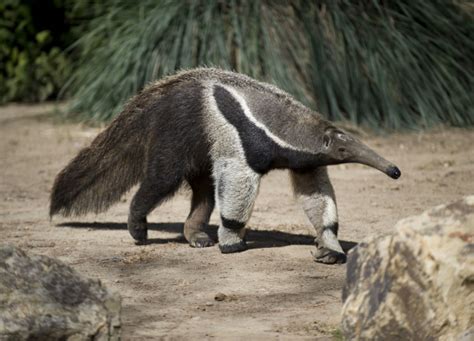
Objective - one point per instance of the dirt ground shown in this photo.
(274, 289)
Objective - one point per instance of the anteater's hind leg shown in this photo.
(202, 204)
(153, 190)
(237, 188)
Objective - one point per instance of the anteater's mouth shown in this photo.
(393, 172)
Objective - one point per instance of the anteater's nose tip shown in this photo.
(394, 172)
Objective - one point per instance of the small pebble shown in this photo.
(220, 297)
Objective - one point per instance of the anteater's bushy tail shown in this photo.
(101, 173)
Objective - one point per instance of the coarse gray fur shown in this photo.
(220, 132)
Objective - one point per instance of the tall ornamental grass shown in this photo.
(384, 64)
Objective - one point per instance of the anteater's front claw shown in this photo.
(326, 256)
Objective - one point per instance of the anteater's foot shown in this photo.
(231, 240)
(139, 232)
(326, 256)
(230, 248)
(200, 239)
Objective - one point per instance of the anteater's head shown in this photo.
(341, 147)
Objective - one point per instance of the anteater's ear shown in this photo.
(327, 139)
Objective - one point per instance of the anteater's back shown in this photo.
(163, 123)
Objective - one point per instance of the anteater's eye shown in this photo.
(342, 149)
(341, 136)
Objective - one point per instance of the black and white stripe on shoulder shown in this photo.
(263, 149)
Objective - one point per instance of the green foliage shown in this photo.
(33, 66)
(135, 43)
(393, 63)
(390, 64)
(337, 335)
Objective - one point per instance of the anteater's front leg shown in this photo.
(236, 190)
(316, 194)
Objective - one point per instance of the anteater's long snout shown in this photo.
(363, 154)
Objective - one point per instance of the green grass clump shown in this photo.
(385, 64)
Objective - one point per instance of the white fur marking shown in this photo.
(330, 241)
(330, 211)
(259, 124)
(241, 188)
(229, 237)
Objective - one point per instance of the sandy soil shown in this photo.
(273, 290)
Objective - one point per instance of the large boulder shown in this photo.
(417, 284)
(44, 299)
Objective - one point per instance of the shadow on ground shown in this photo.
(256, 239)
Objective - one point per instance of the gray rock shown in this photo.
(417, 284)
(44, 299)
